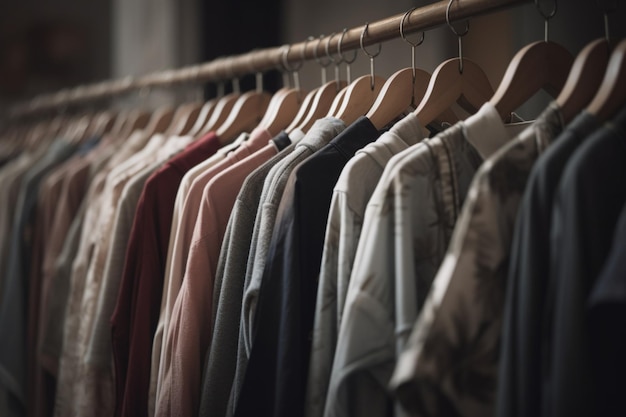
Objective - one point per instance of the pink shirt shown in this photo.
(183, 236)
(189, 333)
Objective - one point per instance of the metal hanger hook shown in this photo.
(380, 47)
(348, 62)
(459, 35)
(285, 60)
(606, 10)
(546, 17)
(413, 45)
(293, 70)
(322, 65)
(327, 50)
(337, 61)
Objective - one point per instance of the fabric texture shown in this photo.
(450, 363)
(190, 330)
(141, 283)
(15, 292)
(586, 211)
(352, 191)
(276, 375)
(408, 225)
(521, 358)
(320, 134)
(170, 263)
(221, 359)
(183, 238)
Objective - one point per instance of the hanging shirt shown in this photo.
(66, 188)
(408, 224)
(189, 334)
(135, 315)
(521, 359)
(191, 208)
(606, 308)
(11, 177)
(15, 292)
(587, 206)
(345, 219)
(276, 376)
(177, 218)
(86, 282)
(450, 363)
(320, 134)
(221, 358)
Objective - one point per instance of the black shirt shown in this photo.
(276, 376)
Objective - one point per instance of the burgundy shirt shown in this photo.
(136, 314)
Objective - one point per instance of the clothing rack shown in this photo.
(261, 60)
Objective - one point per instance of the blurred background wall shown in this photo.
(46, 45)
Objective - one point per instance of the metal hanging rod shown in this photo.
(261, 60)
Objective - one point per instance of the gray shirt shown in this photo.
(322, 132)
(228, 291)
(15, 292)
(350, 197)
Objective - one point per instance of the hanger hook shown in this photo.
(380, 47)
(546, 17)
(337, 61)
(459, 35)
(413, 45)
(285, 56)
(605, 12)
(348, 62)
(294, 70)
(319, 61)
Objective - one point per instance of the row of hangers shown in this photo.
(595, 80)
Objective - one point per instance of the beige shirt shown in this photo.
(77, 392)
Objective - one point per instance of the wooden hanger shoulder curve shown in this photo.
(322, 103)
(397, 94)
(612, 92)
(540, 65)
(245, 115)
(284, 112)
(449, 85)
(203, 117)
(360, 95)
(222, 109)
(303, 110)
(584, 78)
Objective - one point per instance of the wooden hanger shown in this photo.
(221, 112)
(540, 65)
(302, 111)
(361, 94)
(397, 94)
(284, 107)
(457, 80)
(448, 85)
(203, 117)
(612, 92)
(284, 111)
(137, 120)
(322, 103)
(103, 123)
(401, 90)
(246, 114)
(184, 118)
(160, 120)
(584, 79)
